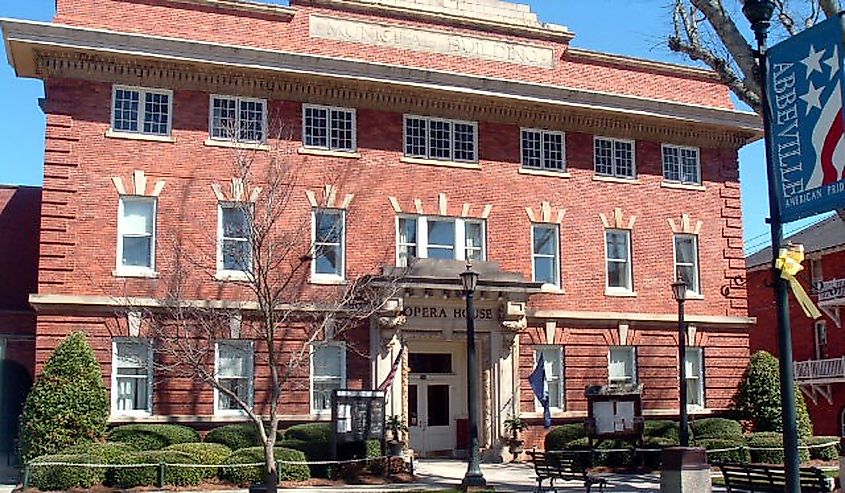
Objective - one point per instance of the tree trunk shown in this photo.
(271, 474)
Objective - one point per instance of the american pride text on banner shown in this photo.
(805, 84)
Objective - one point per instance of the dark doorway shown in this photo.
(15, 383)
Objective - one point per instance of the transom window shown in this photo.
(553, 364)
(695, 377)
(132, 377)
(136, 234)
(542, 149)
(546, 253)
(614, 157)
(618, 248)
(328, 372)
(141, 110)
(439, 237)
(329, 244)
(436, 138)
(622, 365)
(238, 119)
(681, 164)
(329, 128)
(234, 252)
(233, 368)
(686, 262)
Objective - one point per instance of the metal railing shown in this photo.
(820, 370)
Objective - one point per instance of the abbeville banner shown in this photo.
(805, 83)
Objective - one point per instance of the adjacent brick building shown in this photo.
(578, 182)
(818, 346)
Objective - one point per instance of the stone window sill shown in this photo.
(328, 153)
(683, 186)
(614, 179)
(551, 289)
(144, 274)
(328, 280)
(249, 146)
(435, 162)
(620, 293)
(111, 134)
(231, 276)
(543, 172)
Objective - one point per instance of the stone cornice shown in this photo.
(668, 318)
(242, 6)
(641, 63)
(47, 50)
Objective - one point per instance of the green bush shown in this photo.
(758, 398)
(153, 437)
(245, 475)
(314, 451)
(738, 456)
(48, 478)
(68, 403)
(725, 429)
(828, 453)
(559, 436)
(601, 457)
(108, 452)
(235, 436)
(662, 428)
(767, 448)
(309, 432)
(130, 477)
(653, 460)
(204, 453)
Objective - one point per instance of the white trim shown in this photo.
(328, 146)
(555, 410)
(680, 149)
(322, 278)
(111, 134)
(249, 347)
(682, 186)
(136, 271)
(114, 412)
(322, 152)
(427, 137)
(613, 142)
(459, 247)
(619, 290)
(142, 92)
(342, 385)
(631, 357)
(541, 172)
(223, 274)
(691, 293)
(558, 284)
(543, 133)
(236, 139)
(437, 162)
(701, 387)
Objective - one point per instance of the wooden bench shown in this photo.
(768, 478)
(554, 466)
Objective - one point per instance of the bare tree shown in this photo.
(708, 31)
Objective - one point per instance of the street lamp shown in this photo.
(679, 291)
(473, 477)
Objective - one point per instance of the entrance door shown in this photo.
(430, 416)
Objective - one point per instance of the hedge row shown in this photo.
(248, 474)
(153, 437)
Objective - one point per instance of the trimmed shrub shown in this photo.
(314, 451)
(153, 437)
(767, 448)
(601, 458)
(653, 460)
(738, 456)
(828, 453)
(758, 398)
(130, 477)
(725, 429)
(245, 475)
(559, 436)
(204, 453)
(235, 436)
(662, 428)
(309, 432)
(68, 403)
(49, 478)
(108, 452)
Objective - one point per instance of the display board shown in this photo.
(357, 415)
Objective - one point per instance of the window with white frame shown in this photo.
(614, 157)
(820, 336)
(132, 377)
(622, 365)
(329, 244)
(439, 237)
(545, 253)
(234, 253)
(329, 128)
(543, 149)
(136, 232)
(233, 369)
(238, 119)
(681, 164)
(553, 364)
(328, 372)
(695, 377)
(436, 138)
(686, 262)
(618, 251)
(141, 110)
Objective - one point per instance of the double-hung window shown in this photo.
(686, 262)
(681, 165)
(545, 253)
(543, 150)
(695, 377)
(622, 365)
(328, 372)
(233, 369)
(553, 365)
(234, 254)
(238, 119)
(142, 111)
(136, 232)
(329, 244)
(132, 377)
(615, 158)
(436, 138)
(439, 237)
(618, 252)
(820, 336)
(328, 128)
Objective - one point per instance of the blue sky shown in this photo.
(630, 27)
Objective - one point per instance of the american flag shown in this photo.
(397, 362)
(824, 97)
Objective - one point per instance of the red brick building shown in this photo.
(818, 346)
(579, 183)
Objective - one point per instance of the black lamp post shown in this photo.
(473, 478)
(759, 14)
(679, 291)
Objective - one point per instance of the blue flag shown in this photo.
(537, 379)
(805, 87)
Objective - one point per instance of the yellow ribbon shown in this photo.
(789, 263)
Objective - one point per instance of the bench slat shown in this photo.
(767, 478)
